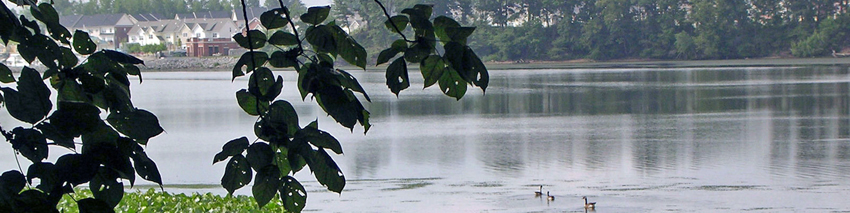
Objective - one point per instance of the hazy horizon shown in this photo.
(310, 3)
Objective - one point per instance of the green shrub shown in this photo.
(156, 201)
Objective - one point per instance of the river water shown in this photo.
(760, 139)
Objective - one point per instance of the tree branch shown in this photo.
(389, 18)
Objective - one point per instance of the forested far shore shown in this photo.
(557, 30)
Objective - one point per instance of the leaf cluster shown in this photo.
(453, 70)
(282, 146)
(105, 152)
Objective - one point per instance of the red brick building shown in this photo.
(197, 47)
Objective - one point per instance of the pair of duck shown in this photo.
(587, 205)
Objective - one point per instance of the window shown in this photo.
(215, 35)
(150, 36)
(185, 34)
(198, 35)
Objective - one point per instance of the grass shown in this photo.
(157, 201)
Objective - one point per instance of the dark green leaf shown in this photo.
(30, 143)
(59, 32)
(105, 187)
(319, 138)
(293, 194)
(259, 155)
(282, 118)
(6, 74)
(120, 57)
(480, 77)
(46, 173)
(400, 22)
(34, 201)
(83, 43)
(133, 70)
(343, 106)
(249, 62)
(442, 26)
(387, 54)
(67, 58)
(452, 84)
(418, 51)
(76, 169)
(419, 17)
(262, 84)
(231, 148)
(45, 13)
(397, 78)
(283, 59)
(266, 184)
(53, 133)
(75, 118)
(28, 52)
(275, 18)
(425, 9)
(137, 124)
(432, 69)
(352, 52)
(11, 183)
(281, 160)
(145, 167)
(316, 15)
(91, 205)
(257, 39)
(283, 38)
(459, 34)
(250, 103)
(322, 39)
(117, 98)
(326, 171)
(237, 174)
(348, 81)
(31, 102)
(296, 162)
(103, 135)
(69, 90)
(327, 59)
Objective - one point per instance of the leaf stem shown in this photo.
(292, 25)
(248, 34)
(389, 19)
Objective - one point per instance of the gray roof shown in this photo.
(69, 21)
(148, 17)
(158, 26)
(252, 12)
(205, 15)
(99, 20)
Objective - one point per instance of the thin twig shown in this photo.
(390, 19)
(292, 25)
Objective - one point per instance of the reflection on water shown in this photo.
(635, 140)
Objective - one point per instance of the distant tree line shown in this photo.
(521, 30)
(517, 30)
(168, 8)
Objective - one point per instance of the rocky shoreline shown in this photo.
(189, 63)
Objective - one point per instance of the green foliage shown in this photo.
(137, 48)
(110, 148)
(153, 201)
(282, 146)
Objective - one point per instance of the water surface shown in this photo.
(634, 140)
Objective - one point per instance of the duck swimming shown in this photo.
(587, 205)
(549, 197)
(539, 192)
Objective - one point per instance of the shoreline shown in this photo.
(209, 62)
(226, 63)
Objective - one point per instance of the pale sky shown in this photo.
(310, 3)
